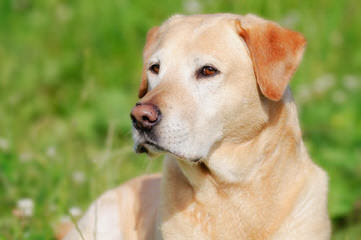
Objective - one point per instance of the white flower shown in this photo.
(192, 6)
(304, 93)
(26, 207)
(336, 38)
(75, 212)
(25, 157)
(26, 234)
(65, 219)
(64, 13)
(4, 144)
(51, 151)
(339, 96)
(324, 83)
(78, 177)
(53, 207)
(14, 99)
(291, 19)
(51, 69)
(351, 82)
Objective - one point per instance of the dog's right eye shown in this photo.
(154, 68)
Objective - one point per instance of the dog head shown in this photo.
(207, 78)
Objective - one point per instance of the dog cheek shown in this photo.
(175, 133)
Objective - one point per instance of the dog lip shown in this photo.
(196, 160)
(141, 148)
(156, 146)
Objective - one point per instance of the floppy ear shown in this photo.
(151, 37)
(275, 53)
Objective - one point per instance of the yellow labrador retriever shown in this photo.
(215, 100)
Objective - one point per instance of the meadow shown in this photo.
(69, 73)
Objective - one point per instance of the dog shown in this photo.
(214, 98)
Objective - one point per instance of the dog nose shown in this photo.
(145, 116)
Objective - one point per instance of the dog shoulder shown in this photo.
(309, 219)
(118, 213)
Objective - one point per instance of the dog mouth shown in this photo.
(152, 148)
(148, 147)
(147, 142)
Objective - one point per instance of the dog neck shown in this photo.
(261, 180)
(258, 162)
(278, 144)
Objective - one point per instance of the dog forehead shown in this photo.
(212, 34)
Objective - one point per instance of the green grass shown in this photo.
(69, 72)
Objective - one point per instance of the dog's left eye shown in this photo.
(206, 71)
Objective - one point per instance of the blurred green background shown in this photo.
(69, 72)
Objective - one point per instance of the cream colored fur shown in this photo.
(254, 178)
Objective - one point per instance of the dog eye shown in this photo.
(154, 68)
(207, 71)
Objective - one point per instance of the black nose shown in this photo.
(145, 116)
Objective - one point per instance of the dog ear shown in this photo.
(275, 53)
(151, 37)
